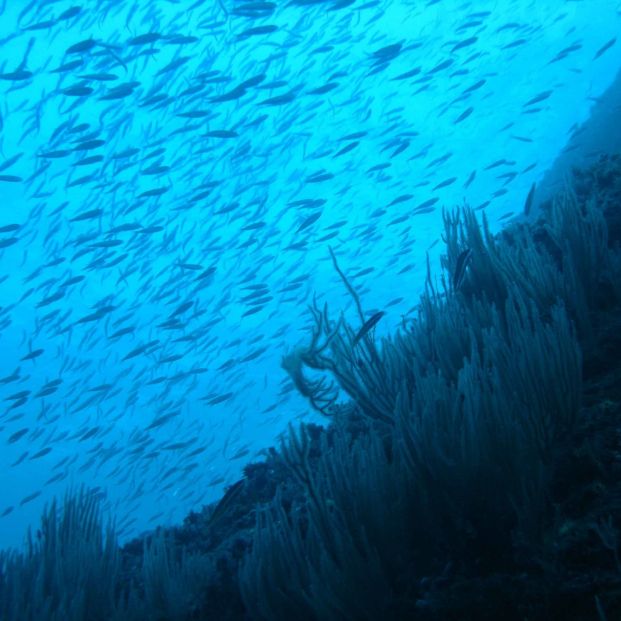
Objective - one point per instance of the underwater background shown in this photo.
(172, 177)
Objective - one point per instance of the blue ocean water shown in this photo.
(172, 175)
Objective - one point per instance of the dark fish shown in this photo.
(408, 74)
(308, 221)
(474, 87)
(55, 154)
(28, 498)
(253, 355)
(368, 325)
(497, 163)
(93, 159)
(565, 52)
(73, 280)
(144, 39)
(16, 76)
(538, 98)
(441, 66)
(18, 403)
(160, 420)
(464, 43)
(254, 9)
(175, 446)
(122, 332)
(463, 259)
(149, 230)
(605, 47)
(256, 30)
(140, 350)
(98, 314)
(152, 192)
(8, 241)
(221, 133)
(182, 308)
(387, 53)
(321, 90)
(440, 160)
(100, 77)
(236, 93)
(226, 505)
(347, 148)
(119, 92)
(464, 115)
(126, 153)
(253, 81)
(8, 163)
(107, 243)
(40, 25)
(400, 149)
(74, 64)
(69, 13)
(82, 46)
(194, 114)
(181, 40)
(10, 378)
(87, 215)
(378, 167)
(354, 136)
(50, 299)
(470, 178)
(156, 99)
(427, 203)
(252, 311)
(319, 177)
(529, 199)
(241, 453)
(174, 64)
(18, 434)
(279, 100)
(33, 354)
(44, 392)
(20, 459)
(57, 477)
(77, 91)
(42, 453)
(400, 199)
(154, 169)
(254, 226)
(18, 395)
(320, 240)
(445, 183)
(205, 274)
(88, 434)
(515, 43)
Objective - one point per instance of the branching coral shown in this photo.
(471, 404)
